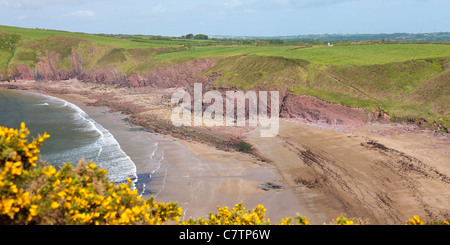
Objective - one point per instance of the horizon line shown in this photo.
(230, 35)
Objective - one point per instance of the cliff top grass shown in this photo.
(324, 55)
(35, 34)
(182, 49)
(407, 80)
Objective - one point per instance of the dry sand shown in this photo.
(227, 178)
(383, 174)
(197, 176)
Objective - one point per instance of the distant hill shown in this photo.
(406, 37)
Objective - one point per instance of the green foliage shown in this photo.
(27, 57)
(188, 36)
(201, 37)
(407, 80)
(83, 195)
(8, 43)
(245, 72)
(115, 56)
(244, 146)
(61, 45)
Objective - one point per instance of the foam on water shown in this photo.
(104, 150)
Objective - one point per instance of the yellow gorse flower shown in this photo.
(415, 221)
(83, 194)
(341, 220)
(55, 205)
(302, 220)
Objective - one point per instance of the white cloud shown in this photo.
(10, 4)
(32, 4)
(80, 13)
(280, 2)
(157, 9)
(22, 17)
(305, 3)
(233, 4)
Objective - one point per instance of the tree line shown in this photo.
(195, 37)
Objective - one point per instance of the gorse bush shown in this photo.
(237, 216)
(81, 195)
(39, 194)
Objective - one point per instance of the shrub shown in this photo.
(244, 146)
(83, 195)
(414, 221)
(237, 216)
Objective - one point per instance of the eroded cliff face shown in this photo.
(311, 110)
(303, 109)
(177, 75)
(50, 68)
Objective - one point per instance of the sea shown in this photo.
(74, 135)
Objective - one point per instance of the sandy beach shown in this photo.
(380, 173)
(197, 176)
(375, 174)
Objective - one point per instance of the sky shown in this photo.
(229, 17)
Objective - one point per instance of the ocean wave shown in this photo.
(105, 151)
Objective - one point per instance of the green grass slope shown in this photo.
(413, 90)
(410, 81)
(337, 55)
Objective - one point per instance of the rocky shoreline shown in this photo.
(150, 107)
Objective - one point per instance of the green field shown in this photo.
(338, 55)
(192, 49)
(35, 34)
(410, 81)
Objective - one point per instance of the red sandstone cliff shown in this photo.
(305, 109)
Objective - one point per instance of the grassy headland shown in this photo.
(409, 81)
(384, 181)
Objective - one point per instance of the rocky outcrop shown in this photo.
(24, 73)
(107, 76)
(178, 75)
(304, 109)
(311, 110)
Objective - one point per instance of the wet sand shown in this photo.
(227, 178)
(197, 176)
(382, 174)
